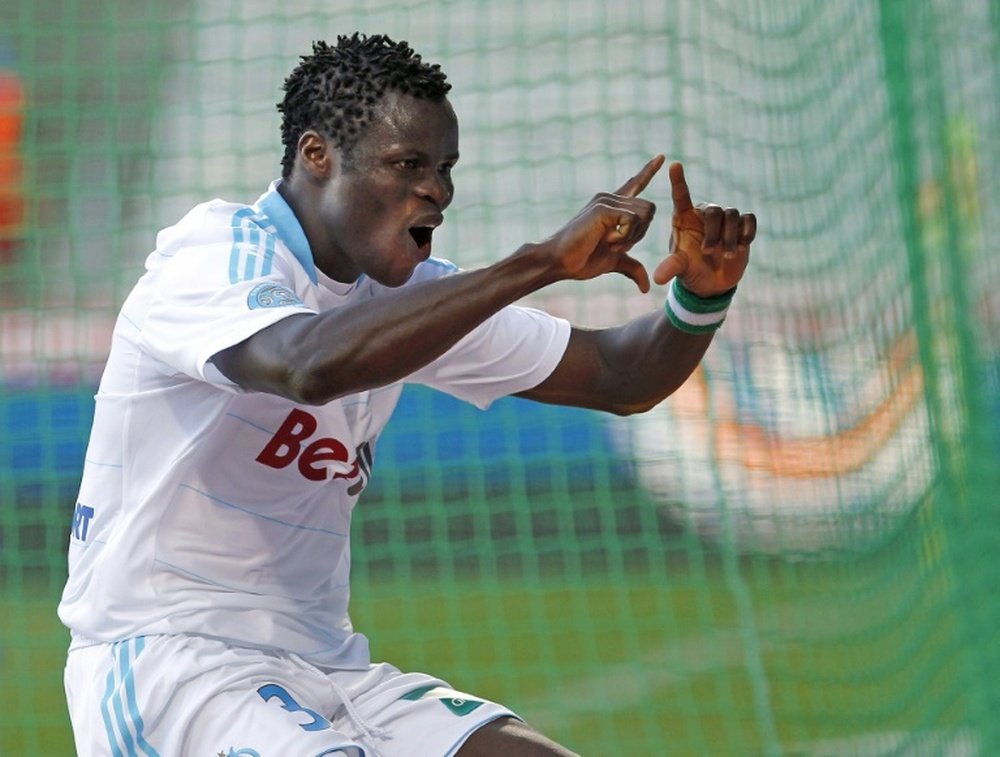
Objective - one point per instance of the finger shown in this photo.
(672, 265)
(679, 189)
(748, 228)
(712, 215)
(635, 231)
(730, 231)
(637, 183)
(638, 231)
(622, 225)
(633, 269)
(637, 205)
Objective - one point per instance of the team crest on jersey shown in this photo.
(271, 295)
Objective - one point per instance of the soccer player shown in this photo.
(252, 369)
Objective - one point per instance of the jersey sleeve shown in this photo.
(515, 349)
(210, 297)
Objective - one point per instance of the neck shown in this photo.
(326, 254)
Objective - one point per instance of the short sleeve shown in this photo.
(514, 350)
(197, 307)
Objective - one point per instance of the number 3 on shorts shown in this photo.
(272, 691)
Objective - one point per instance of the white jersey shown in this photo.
(205, 509)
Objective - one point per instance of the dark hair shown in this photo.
(335, 90)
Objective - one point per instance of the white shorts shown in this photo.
(175, 696)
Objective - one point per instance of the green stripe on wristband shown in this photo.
(697, 304)
(693, 314)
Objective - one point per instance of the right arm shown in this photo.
(316, 358)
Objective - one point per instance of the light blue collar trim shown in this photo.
(278, 212)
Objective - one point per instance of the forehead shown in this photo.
(401, 121)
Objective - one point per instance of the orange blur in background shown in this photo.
(11, 170)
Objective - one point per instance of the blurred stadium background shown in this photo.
(797, 554)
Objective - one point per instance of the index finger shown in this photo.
(637, 183)
(679, 189)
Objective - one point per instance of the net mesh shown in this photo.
(794, 554)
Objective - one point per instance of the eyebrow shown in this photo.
(403, 150)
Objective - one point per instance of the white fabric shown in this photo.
(237, 702)
(205, 509)
(690, 317)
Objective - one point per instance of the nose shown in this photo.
(436, 188)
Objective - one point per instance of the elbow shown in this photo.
(623, 410)
(306, 385)
(637, 405)
(317, 383)
(308, 393)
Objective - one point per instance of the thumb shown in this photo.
(633, 269)
(673, 265)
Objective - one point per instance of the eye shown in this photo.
(408, 164)
(445, 169)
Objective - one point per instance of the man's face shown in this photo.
(379, 208)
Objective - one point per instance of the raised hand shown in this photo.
(600, 236)
(709, 245)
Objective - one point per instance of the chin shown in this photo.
(394, 279)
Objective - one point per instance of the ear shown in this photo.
(316, 155)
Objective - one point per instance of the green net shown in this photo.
(796, 554)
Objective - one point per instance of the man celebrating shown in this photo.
(252, 370)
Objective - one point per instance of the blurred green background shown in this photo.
(796, 554)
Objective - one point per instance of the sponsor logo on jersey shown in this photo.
(82, 516)
(270, 295)
(315, 458)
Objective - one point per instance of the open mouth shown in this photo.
(422, 235)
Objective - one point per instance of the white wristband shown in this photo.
(693, 314)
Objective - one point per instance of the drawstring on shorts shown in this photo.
(363, 727)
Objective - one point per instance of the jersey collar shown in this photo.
(273, 205)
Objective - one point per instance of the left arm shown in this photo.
(633, 367)
(623, 370)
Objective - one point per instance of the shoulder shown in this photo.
(235, 236)
(432, 268)
(428, 270)
(213, 222)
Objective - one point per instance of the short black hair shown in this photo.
(335, 90)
